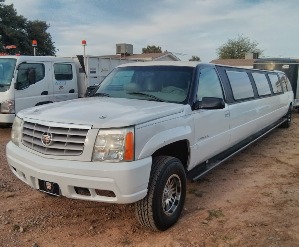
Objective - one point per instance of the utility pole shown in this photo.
(84, 55)
(84, 59)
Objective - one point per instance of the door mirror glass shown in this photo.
(212, 103)
(209, 103)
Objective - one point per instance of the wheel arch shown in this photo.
(179, 149)
(173, 142)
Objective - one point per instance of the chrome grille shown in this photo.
(64, 141)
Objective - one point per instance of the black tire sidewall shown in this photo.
(163, 221)
(288, 121)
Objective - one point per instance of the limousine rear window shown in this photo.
(261, 83)
(241, 85)
(275, 82)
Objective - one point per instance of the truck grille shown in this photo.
(54, 140)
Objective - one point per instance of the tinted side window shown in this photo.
(63, 71)
(275, 82)
(241, 85)
(261, 83)
(30, 73)
(209, 84)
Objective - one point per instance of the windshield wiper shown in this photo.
(148, 95)
(100, 94)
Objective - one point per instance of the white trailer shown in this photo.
(27, 81)
(92, 70)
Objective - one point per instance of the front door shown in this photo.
(211, 126)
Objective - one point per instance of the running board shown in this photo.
(207, 167)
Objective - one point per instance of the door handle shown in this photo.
(45, 93)
(227, 114)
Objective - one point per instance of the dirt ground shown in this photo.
(251, 200)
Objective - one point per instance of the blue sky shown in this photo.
(186, 28)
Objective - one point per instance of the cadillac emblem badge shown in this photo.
(47, 139)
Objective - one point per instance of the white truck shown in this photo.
(27, 81)
(146, 129)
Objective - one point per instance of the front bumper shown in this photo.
(7, 118)
(127, 180)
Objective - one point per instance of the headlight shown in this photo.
(114, 145)
(16, 131)
(7, 107)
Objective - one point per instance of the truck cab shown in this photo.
(27, 81)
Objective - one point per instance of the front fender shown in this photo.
(165, 138)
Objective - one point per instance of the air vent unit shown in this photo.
(252, 55)
(126, 49)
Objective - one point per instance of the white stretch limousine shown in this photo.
(145, 130)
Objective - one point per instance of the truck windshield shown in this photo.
(155, 83)
(7, 66)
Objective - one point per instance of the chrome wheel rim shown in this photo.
(171, 194)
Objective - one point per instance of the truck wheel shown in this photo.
(162, 206)
(288, 118)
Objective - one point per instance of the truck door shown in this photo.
(32, 85)
(211, 126)
(64, 82)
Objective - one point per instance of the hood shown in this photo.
(101, 112)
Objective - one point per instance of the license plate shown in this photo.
(49, 187)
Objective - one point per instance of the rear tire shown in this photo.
(288, 118)
(162, 206)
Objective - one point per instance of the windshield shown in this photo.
(156, 83)
(7, 66)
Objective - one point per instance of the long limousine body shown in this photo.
(145, 130)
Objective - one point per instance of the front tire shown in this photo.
(162, 206)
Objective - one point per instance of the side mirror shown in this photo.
(212, 103)
(209, 103)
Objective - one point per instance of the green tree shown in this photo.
(237, 48)
(152, 49)
(194, 58)
(17, 31)
(38, 30)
